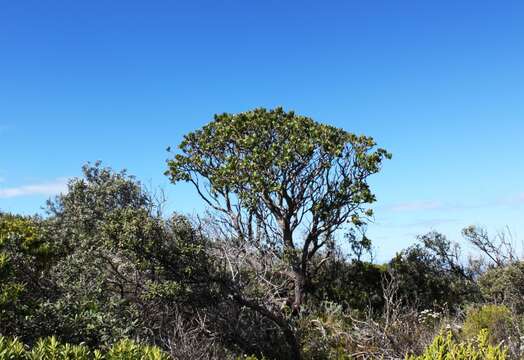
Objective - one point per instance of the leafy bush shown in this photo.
(356, 284)
(25, 256)
(430, 273)
(11, 349)
(505, 285)
(51, 348)
(444, 347)
(324, 333)
(496, 319)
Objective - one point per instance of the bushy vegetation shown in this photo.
(50, 348)
(497, 320)
(444, 347)
(275, 269)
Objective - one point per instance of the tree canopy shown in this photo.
(274, 175)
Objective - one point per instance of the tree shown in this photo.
(282, 183)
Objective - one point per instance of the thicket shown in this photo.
(276, 269)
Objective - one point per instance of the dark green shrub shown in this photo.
(355, 285)
(505, 285)
(430, 274)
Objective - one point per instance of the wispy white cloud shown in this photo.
(519, 198)
(512, 200)
(430, 222)
(416, 206)
(46, 188)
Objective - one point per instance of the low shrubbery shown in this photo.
(505, 285)
(446, 348)
(51, 348)
(106, 266)
(496, 319)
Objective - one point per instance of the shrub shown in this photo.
(51, 348)
(325, 333)
(505, 285)
(11, 349)
(444, 347)
(496, 319)
(356, 284)
(129, 350)
(430, 274)
(24, 260)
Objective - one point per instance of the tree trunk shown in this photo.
(300, 287)
(293, 343)
(284, 325)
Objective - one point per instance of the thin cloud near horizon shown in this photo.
(410, 206)
(48, 188)
(415, 206)
(519, 198)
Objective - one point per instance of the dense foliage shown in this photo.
(443, 347)
(50, 348)
(275, 270)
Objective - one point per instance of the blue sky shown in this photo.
(438, 83)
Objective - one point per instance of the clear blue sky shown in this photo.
(438, 83)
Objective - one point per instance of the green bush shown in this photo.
(51, 348)
(496, 319)
(11, 349)
(505, 285)
(25, 256)
(355, 284)
(430, 274)
(445, 348)
(325, 333)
